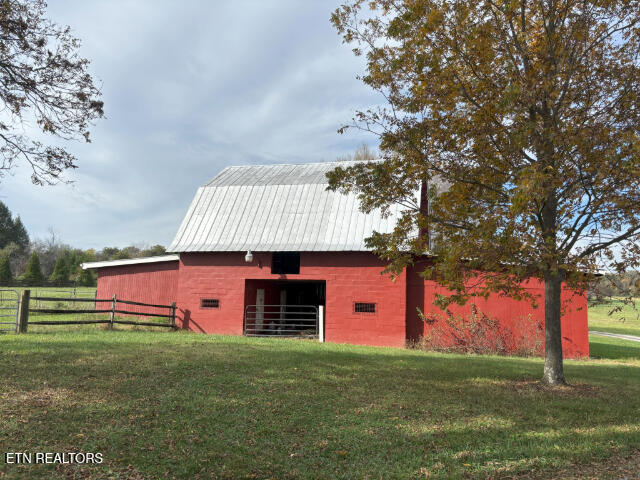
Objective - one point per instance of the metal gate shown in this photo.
(300, 321)
(9, 310)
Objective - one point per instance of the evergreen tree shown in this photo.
(73, 259)
(6, 226)
(19, 233)
(6, 276)
(60, 271)
(12, 231)
(33, 273)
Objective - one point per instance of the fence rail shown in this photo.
(130, 302)
(68, 322)
(129, 312)
(53, 311)
(75, 299)
(24, 310)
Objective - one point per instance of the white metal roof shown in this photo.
(130, 261)
(276, 208)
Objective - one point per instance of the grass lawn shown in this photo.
(182, 405)
(612, 348)
(625, 321)
(62, 292)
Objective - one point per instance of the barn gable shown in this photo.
(276, 208)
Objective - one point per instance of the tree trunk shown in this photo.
(553, 369)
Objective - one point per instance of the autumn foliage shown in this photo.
(522, 120)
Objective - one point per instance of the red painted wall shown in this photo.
(155, 283)
(350, 277)
(517, 316)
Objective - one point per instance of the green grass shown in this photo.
(62, 292)
(182, 405)
(613, 348)
(626, 320)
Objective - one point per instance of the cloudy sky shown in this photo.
(191, 87)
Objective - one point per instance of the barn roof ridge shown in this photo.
(302, 163)
(304, 172)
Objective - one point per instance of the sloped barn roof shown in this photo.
(276, 208)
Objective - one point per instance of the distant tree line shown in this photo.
(50, 262)
(616, 285)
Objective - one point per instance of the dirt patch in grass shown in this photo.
(617, 466)
(43, 397)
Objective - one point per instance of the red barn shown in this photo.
(267, 250)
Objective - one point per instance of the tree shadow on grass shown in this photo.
(300, 409)
(601, 349)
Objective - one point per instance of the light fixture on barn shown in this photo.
(248, 257)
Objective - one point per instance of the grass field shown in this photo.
(626, 321)
(181, 405)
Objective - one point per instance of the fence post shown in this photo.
(23, 316)
(113, 311)
(173, 314)
(321, 323)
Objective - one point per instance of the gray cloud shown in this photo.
(191, 87)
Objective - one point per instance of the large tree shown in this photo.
(528, 112)
(44, 82)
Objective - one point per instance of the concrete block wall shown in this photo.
(350, 277)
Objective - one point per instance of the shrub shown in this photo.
(481, 334)
(86, 278)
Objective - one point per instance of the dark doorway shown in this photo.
(287, 308)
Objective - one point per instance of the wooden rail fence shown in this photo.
(24, 310)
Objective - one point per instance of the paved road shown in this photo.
(633, 338)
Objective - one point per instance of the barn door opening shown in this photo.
(283, 308)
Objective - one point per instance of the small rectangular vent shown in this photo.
(360, 307)
(209, 303)
(284, 263)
